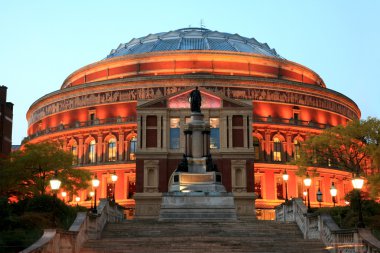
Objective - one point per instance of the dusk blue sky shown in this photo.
(42, 42)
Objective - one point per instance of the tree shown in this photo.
(36, 164)
(354, 148)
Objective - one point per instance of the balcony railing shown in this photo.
(291, 121)
(83, 124)
(132, 119)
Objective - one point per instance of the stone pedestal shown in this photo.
(198, 193)
(197, 206)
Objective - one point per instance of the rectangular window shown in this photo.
(151, 131)
(174, 133)
(214, 133)
(237, 131)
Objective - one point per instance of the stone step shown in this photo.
(242, 236)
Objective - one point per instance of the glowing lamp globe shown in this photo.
(92, 194)
(285, 176)
(64, 194)
(305, 193)
(358, 183)
(114, 177)
(333, 190)
(77, 199)
(55, 184)
(307, 181)
(95, 182)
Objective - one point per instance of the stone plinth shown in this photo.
(197, 206)
(196, 182)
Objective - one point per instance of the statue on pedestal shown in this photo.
(195, 100)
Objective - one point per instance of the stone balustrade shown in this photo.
(83, 124)
(86, 226)
(323, 227)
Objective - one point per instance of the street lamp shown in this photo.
(285, 177)
(114, 179)
(55, 183)
(304, 196)
(91, 196)
(307, 182)
(319, 196)
(333, 192)
(64, 194)
(95, 184)
(77, 199)
(358, 182)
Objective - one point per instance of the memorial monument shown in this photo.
(195, 188)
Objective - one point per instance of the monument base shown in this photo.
(197, 206)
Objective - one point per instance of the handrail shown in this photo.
(291, 121)
(132, 119)
(323, 227)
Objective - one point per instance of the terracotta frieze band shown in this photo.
(129, 95)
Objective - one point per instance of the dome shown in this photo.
(193, 39)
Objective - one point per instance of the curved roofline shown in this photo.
(192, 39)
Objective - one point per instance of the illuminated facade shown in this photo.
(132, 105)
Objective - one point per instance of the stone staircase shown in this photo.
(242, 236)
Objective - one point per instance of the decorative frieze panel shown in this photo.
(130, 95)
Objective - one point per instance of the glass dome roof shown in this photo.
(193, 39)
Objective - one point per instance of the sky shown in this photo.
(42, 42)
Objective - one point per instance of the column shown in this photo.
(223, 132)
(245, 131)
(267, 144)
(159, 122)
(80, 150)
(229, 132)
(165, 128)
(99, 150)
(120, 150)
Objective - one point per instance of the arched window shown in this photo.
(92, 152)
(256, 148)
(277, 149)
(112, 150)
(297, 150)
(132, 148)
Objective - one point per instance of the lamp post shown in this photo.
(319, 197)
(95, 184)
(358, 182)
(77, 199)
(333, 192)
(91, 196)
(64, 194)
(305, 196)
(307, 182)
(285, 177)
(55, 183)
(114, 179)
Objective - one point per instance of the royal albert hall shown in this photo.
(126, 115)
